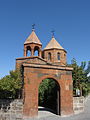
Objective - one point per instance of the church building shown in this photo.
(38, 65)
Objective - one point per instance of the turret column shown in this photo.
(40, 53)
(32, 51)
(25, 52)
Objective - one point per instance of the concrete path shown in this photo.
(46, 115)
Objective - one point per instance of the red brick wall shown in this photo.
(37, 69)
(33, 76)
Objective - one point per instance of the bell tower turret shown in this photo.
(32, 44)
(55, 53)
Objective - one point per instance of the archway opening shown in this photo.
(28, 51)
(49, 96)
(36, 51)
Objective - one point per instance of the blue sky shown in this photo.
(69, 18)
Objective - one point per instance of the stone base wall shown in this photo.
(11, 109)
(78, 104)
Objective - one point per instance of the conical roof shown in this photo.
(32, 38)
(53, 44)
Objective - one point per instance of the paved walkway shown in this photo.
(45, 115)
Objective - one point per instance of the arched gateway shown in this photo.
(49, 63)
(49, 99)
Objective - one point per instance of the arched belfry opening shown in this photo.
(28, 51)
(49, 96)
(36, 51)
(47, 65)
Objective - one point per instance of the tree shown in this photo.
(80, 78)
(45, 89)
(10, 85)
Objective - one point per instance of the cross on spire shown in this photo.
(53, 31)
(33, 27)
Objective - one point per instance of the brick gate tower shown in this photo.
(48, 63)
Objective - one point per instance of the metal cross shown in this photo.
(52, 33)
(33, 26)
